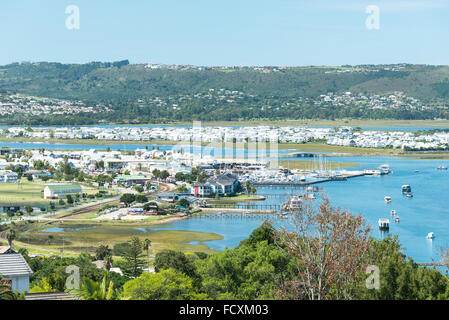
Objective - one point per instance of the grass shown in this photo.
(110, 234)
(22, 194)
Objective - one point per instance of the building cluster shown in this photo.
(396, 100)
(342, 136)
(392, 139)
(36, 106)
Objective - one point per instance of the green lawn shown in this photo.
(22, 194)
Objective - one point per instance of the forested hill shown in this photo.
(154, 93)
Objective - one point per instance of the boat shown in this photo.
(384, 224)
(397, 220)
(293, 204)
(385, 169)
(416, 171)
(302, 178)
(442, 168)
(409, 195)
(387, 199)
(406, 188)
(393, 212)
(430, 235)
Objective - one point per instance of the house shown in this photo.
(202, 190)
(223, 183)
(60, 191)
(8, 176)
(16, 271)
(132, 180)
(168, 197)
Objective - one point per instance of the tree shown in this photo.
(128, 198)
(181, 189)
(164, 175)
(140, 198)
(146, 247)
(138, 188)
(183, 203)
(133, 258)
(69, 199)
(329, 246)
(176, 260)
(29, 209)
(10, 236)
(165, 285)
(92, 290)
(107, 260)
(102, 251)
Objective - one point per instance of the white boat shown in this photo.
(385, 169)
(442, 168)
(393, 212)
(384, 224)
(430, 235)
(409, 195)
(302, 178)
(387, 199)
(406, 188)
(397, 220)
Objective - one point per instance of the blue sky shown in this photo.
(226, 32)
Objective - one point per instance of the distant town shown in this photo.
(340, 136)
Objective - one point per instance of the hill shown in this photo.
(140, 93)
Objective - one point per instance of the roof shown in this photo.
(49, 296)
(223, 179)
(64, 187)
(132, 177)
(6, 250)
(14, 265)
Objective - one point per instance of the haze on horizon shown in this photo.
(227, 33)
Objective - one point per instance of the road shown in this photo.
(92, 206)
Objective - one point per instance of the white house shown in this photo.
(15, 270)
(60, 191)
(7, 176)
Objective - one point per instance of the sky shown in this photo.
(226, 32)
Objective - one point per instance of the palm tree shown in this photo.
(107, 262)
(93, 290)
(146, 247)
(10, 236)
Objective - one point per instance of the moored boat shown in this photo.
(384, 224)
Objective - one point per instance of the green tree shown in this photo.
(93, 290)
(133, 257)
(10, 236)
(128, 198)
(165, 285)
(102, 251)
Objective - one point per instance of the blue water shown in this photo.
(427, 211)
(58, 229)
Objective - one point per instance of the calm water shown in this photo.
(427, 211)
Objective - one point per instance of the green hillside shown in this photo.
(139, 94)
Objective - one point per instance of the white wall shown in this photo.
(20, 283)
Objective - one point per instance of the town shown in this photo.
(341, 136)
